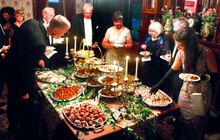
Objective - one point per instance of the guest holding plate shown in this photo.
(194, 59)
(117, 40)
(156, 44)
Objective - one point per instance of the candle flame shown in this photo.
(127, 57)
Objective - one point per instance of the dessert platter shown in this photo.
(66, 93)
(85, 53)
(159, 99)
(84, 116)
(80, 73)
(109, 93)
(110, 68)
(106, 80)
(145, 53)
(94, 61)
(51, 76)
(93, 71)
(93, 82)
(189, 77)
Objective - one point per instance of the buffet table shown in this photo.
(112, 125)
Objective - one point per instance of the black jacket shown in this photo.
(77, 29)
(28, 47)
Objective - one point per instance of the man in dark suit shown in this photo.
(25, 55)
(2, 43)
(47, 15)
(85, 27)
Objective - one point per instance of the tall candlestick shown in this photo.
(67, 43)
(75, 44)
(136, 69)
(126, 68)
(50, 40)
(115, 69)
(84, 43)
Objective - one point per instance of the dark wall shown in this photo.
(103, 9)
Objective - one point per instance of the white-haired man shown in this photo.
(85, 26)
(26, 53)
(47, 15)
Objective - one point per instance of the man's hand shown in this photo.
(5, 49)
(95, 45)
(41, 63)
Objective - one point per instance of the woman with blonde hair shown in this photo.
(19, 17)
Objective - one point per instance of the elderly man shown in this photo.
(47, 15)
(85, 26)
(25, 55)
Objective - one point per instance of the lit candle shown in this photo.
(115, 69)
(75, 44)
(50, 40)
(136, 69)
(126, 68)
(84, 43)
(67, 41)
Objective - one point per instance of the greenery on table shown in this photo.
(108, 113)
(68, 70)
(138, 111)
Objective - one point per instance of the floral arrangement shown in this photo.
(208, 17)
(168, 15)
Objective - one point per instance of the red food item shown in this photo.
(65, 92)
(193, 77)
(85, 115)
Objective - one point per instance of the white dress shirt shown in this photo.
(88, 31)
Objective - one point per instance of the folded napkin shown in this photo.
(58, 41)
(49, 53)
(198, 104)
(148, 58)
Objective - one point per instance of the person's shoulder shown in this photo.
(76, 16)
(30, 21)
(29, 24)
(126, 29)
(110, 28)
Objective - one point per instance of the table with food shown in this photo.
(95, 100)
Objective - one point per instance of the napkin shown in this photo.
(148, 58)
(58, 41)
(116, 45)
(197, 104)
(50, 51)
